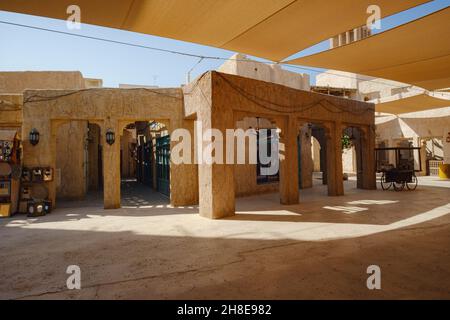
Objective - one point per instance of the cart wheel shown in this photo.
(412, 185)
(399, 186)
(385, 185)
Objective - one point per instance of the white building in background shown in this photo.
(427, 129)
(136, 86)
(240, 65)
(350, 36)
(359, 87)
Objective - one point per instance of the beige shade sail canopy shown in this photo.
(417, 53)
(271, 29)
(412, 103)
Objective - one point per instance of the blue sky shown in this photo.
(27, 49)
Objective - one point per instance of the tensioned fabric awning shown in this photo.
(271, 29)
(417, 53)
(412, 102)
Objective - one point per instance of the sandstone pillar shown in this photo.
(71, 159)
(289, 190)
(216, 180)
(184, 177)
(111, 166)
(423, 157)
(306, 158)
(335, 177)
(52, 185)
(368, 163)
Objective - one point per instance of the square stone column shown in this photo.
(305, 153)
(111, 167)
(423, 157)
(52, 185)
(335, 177)
(216, 180)
(184, 190)
(369, 181)
(289, 189)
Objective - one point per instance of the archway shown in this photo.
(78, 174)
(312, 150)
(352, 155)
(256, 178)
(145, 164)
(94, 161)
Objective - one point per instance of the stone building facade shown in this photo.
(74, 119)
(427, 129)
(242, 66)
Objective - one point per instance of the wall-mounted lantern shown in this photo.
(34, 137)
(110, 137)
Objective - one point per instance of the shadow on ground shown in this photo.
(320, 248)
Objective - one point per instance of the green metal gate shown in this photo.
(163, 164)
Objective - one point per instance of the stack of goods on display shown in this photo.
(34, 198)
(10, 172)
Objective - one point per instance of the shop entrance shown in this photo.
(145, 164)
(163, 165)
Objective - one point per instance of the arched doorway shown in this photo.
(312, 164)
(78, 163)
(258, 177)
(352, 155)
(145, 164)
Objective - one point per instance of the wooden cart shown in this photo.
(402, 173)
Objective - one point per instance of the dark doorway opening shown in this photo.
(145, 164)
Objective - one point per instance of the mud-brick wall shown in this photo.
(11, 111)
(71, 160)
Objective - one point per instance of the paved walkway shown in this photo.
(320, 248)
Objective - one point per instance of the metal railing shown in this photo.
(433, 166)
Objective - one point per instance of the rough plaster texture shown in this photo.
(11, 111)
(18, 82)
(220, 100)
(240, 65)
(71, 161)
(110, 109)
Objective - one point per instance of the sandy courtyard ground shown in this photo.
(319, 249)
